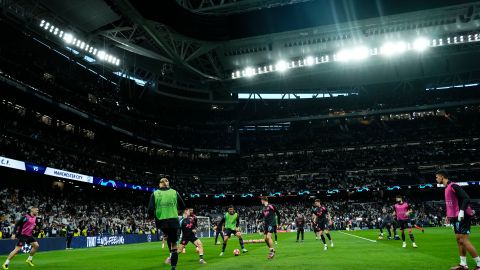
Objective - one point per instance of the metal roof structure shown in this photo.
(185, 67)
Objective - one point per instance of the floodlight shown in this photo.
(421, 44)
(281, 66)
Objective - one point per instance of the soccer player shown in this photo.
(69, 236)
(402, 212)
(229, 225)
(321, 220)
(460, 215)
(188, 226)
(300, 223)
(270, 217)
(277, 222)
(218, 232)
(414, 220)
(386, 222)
(163, 206)
(24, 229)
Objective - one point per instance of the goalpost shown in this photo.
(204, 227)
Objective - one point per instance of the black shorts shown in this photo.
(169, 228)
(171, 223)
(404, 224)
(385, 224)
(300, 229)
(170, 234)
(228, 232)
(321, 226)
(461, 227)
(188, 238)
(23, 239)
(269, 229)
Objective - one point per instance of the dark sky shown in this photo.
(279, 19)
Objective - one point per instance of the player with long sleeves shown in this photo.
(270, 216)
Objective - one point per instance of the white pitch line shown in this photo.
(373, 241)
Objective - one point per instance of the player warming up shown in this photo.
(321, 220)
(188, 227)
(23, 230)
(230, 223)
(218, 232)
(300, 223)
(386, 223)
(402, 212)
(163, 206)
(270, 217)
(460, 215)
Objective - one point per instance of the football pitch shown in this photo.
(437, 250)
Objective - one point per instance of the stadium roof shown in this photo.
(228, 24)
(193, 49)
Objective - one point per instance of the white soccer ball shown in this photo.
(26, 248)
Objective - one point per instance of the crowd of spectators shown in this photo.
(27, 135)
(90, 213)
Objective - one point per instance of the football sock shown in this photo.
(174, 258)
(477, 260)
(323, 239)
(412, 238)
(241, 242)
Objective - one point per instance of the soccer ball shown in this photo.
(26, 248)
(236, 252)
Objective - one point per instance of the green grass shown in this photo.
(437, 250)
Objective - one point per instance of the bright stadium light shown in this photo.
(68, 38)
(421, 44)
(344, 56)
(237, 73)
(309, 61)
(101, 55)
(360, 53)
(393, 48)
(281, 66)
(249, 72)
(355, 54)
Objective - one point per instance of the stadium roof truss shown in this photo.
(153, 51)
(232, 6)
